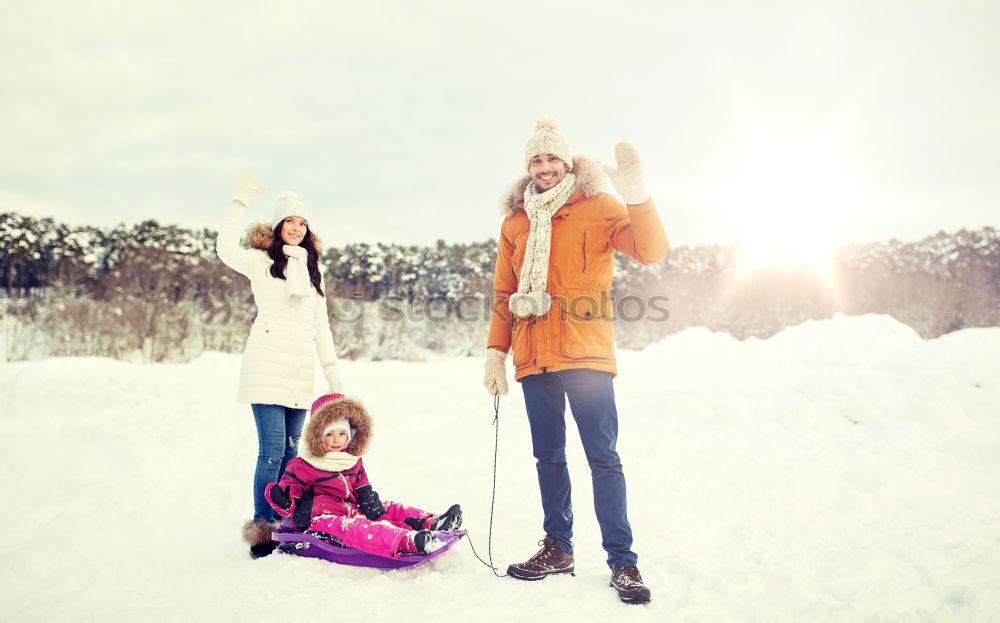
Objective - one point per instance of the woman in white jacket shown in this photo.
(292, 327)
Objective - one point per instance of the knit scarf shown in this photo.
(532, 298)
(297, 282)
(329, 462)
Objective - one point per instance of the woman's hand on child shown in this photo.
(495, 378)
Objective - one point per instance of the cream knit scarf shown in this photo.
(531, 298)
(296, 272)
(329, 462)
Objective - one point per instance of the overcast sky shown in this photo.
(403, 121)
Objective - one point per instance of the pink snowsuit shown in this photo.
(336, 511)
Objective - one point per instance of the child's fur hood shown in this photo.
(261, 235)
(348, 408)
(589, 177)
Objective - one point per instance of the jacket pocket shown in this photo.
(586, 333)
(523, 342)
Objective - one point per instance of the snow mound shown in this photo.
(845, 339)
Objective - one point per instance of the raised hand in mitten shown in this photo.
(278, 497)
(248, 189)
(627, 178)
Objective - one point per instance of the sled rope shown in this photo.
(493, 499)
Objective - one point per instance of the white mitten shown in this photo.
(627, 178)
(332, 374)
(495, 379)
(535, 303)
(248, 189)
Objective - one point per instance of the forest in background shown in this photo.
(151, 292)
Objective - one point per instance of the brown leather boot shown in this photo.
(550, 560)
(628, 583)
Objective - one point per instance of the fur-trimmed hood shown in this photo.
(261, 235)
(589, 178)
(348, 408)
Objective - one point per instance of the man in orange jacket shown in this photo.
(552, 306)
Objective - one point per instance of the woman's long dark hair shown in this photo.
(279, 261)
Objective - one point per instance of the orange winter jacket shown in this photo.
(577, 332)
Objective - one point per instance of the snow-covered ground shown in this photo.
(843, 470)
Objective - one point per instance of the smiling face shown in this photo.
(546, 170)
(293, 230)
(335, 440)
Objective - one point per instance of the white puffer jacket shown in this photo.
(287, 334)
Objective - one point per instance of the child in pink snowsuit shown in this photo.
(325, 489)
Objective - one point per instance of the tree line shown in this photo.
(157, 292)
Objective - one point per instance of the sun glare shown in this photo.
(792, 204)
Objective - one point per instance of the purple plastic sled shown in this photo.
(311, 546)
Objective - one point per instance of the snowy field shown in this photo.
(842, 470)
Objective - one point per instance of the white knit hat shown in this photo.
(342, 423)
(289, 204)
(548, 140)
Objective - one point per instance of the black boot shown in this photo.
(257, 533)
(262, 549)
(425, 542)
(451, 519)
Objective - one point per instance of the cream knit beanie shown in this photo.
(288, 205)
(548, 140)
(341, 423)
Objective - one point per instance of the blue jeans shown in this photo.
(592, 402)
(278, 431)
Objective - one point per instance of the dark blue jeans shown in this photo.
(592, 402)
(278, 431)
